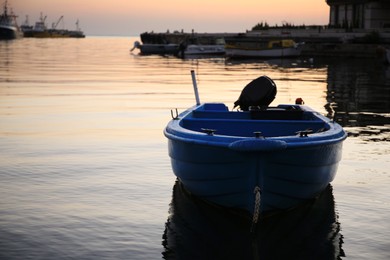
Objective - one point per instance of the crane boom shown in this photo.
(56, 24)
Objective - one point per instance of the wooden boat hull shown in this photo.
(160, 49)
(204, 50)
(229, 178)
(271, 53)
(227, 170)
(251, 47)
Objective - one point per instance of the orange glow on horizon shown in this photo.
(147, 15)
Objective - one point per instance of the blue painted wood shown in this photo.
(221, 155)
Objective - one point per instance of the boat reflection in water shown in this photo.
(196, 229)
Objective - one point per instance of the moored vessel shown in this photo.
(259, 159)
(251, 47)
(40, 30)
(9, 28)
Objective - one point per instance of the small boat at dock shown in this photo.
(158, 48)
(282, 48)
(257, 159)
(192, 48)
(203, 50)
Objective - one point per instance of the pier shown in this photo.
(319, 40)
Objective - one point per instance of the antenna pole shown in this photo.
(195, 87)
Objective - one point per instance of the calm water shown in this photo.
(84, 170)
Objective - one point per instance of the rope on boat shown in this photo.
(256, 211)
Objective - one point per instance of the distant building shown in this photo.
(362, 14)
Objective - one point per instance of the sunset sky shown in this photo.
(130, 17)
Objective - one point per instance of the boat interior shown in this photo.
(283, 120)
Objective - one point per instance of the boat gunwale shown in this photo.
(175, 131)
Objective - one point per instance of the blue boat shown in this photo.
(257, 159)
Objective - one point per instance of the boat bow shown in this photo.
(257, 145)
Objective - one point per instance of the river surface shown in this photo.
(85, 172)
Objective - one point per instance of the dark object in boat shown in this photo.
(299, 101)
(258, 93)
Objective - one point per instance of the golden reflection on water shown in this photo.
(83, 153)
(87, 87)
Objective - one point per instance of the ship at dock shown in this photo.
(9, 29)
(40, 30)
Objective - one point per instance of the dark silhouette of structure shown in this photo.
(362, 14)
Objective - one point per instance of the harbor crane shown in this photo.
(54, 25)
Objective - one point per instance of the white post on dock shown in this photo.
(195, 87)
